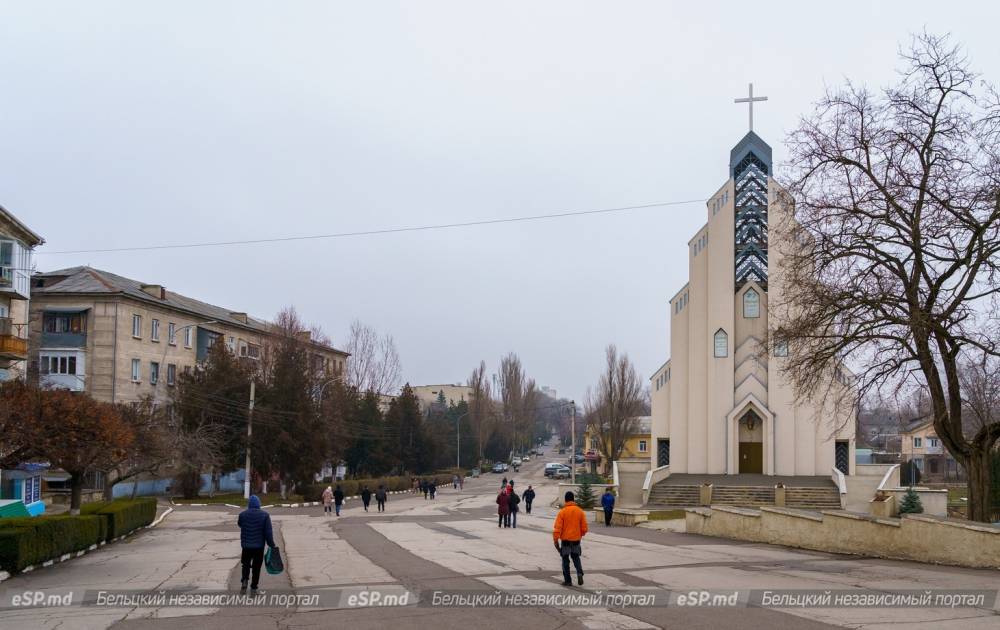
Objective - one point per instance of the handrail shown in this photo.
(885, 478)
(838, 478)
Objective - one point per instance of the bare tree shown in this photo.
(480, 404)
(612, 409)
(890, 258)
(374, 364)
(517, 399)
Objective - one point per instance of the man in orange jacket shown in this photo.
(569, 528)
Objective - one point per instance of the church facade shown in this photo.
(721, 404)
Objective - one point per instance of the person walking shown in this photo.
(513, 500)
(433, 488)
(255, 532)
(568, 530)
(425, 488)
(338, 499)
(608, 503)
(380, 496)
(328, 501)
(461, 483)
(503, 509)
(528, 497)
(414, 485)
(503, 484)
(366, 496)
(454, 482)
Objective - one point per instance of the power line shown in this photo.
(397, 230)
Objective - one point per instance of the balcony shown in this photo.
(12, 347)
(14, 283)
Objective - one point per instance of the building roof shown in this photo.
(25, 234)
(916, 424)
(89, 281)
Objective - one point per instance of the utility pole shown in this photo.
(246, 482)
(572, 457)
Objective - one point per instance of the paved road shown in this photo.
(454, 543)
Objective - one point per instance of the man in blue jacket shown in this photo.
(608, 503)
(255, 532)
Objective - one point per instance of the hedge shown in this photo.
(27, 541)
(351, 487)
(123, 515)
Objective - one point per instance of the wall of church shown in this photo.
(719, 387)
(659, 393)
(698, 363)
(679, 336)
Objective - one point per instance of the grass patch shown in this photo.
(666, 515)
(955, 495)
(234, 498)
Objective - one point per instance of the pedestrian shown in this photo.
(503, 510)
(425, 488)
(608, 503)
(338, 499)
(510, 487)
(504, 483)
(255, 532)
(328, 501)
(513, 500)
(461, 483)
(414, 485)
(380, 496)
(366, 496)
(432, 487)
(567, 532)
(528, 497)
(454, 482)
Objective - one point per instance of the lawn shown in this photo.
(234, 498)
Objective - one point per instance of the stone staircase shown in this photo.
(812, 498)
(665, 495)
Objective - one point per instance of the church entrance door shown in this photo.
(751, 458)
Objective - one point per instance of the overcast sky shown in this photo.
(124, 125)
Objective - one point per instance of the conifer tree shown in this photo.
(911, 503)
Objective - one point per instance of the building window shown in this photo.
(49, 364)
(154, 372)
(751, 304)
(231, 345)
(781, 348)
(932, 442)
(137, 326)
(593, 444)
(171, 374)
(68, 323)
(136, 370)
(918, 442)
(188, 336)
(642, 446)
(172, 333)
(721, 343)
(154, 332)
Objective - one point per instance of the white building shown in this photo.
(721, 404)
(16, 245)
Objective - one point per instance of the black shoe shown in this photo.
(579, 579)
(253, 592)
(567, 583)
(243, 587)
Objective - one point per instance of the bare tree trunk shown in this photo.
(979, 469)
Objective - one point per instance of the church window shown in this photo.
(721, 343)
(781, 348)
(751, 304)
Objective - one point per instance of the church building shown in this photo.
(721, 404)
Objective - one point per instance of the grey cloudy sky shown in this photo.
(128, 123)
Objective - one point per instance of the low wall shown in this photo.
(866, 470)
(631, 474)
(622, 517)
(913, 537)
(934, 502)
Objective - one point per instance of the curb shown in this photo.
(4, 575)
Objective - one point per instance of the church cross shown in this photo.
(750, 100)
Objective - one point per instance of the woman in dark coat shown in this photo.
(503, 509)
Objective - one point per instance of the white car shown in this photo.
(516, 461)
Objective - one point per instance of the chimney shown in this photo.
(156, 290)
(240, 317)
(304, 335)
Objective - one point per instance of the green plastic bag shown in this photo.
(272, 561)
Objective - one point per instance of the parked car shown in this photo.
(526, 458)
(516, 461)
(552, 467)
(499, 467)
(562, 451)
(563, 472)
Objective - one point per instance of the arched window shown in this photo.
(721, 343)
(751, 304)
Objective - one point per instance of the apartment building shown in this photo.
(453, 394)
(17, 243)
(121, 340)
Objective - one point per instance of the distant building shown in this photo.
(638, 443)
(548, 391)
(119, 339)
(920, 444)
(17, 243)
(453, 394)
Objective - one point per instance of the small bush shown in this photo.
(911, 503)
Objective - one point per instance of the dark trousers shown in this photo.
(366, 503)
(568, 551)
(381, 506)
(252, 559)
(500, 519)
(608, 512)
(527, 507)
(513, 519)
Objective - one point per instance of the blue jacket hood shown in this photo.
(254, 502)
